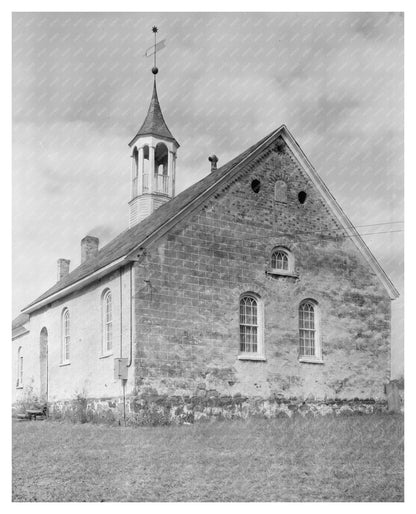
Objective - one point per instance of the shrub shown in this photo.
(29, 400)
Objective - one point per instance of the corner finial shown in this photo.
(154, 69)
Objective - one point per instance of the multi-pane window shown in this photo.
(107, 322)
(249, 324)
(280, 260)
(19, 368)
(66, 338)
(307, 329)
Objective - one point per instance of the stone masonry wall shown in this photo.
(188, 286)
(165, 410)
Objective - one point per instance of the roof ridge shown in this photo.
(147, 226)
(129, 239)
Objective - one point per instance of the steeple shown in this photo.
(153, 158)
(154, 123)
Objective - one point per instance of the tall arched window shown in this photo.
(146, 169)
(309, 345)
(135, 172)
(19, 367)
(66, 336)
(251, 325)
(161, 169)
(107, 310)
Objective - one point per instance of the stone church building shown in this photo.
(250, 291)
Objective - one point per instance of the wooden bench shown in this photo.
(34, 413)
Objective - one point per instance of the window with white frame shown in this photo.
(251, 326)
(107, 310)
(282, 261)
(309, 344)
(19, 382)
(66, 336)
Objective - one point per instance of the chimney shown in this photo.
(63, 268)
(89, 247)
(213, 159)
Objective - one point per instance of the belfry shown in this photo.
(153, 160)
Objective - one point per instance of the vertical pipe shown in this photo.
(121, 313)
(124, 401)
(131, 317)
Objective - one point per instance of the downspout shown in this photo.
(121, 313)
(131, 317)
(123, 381)
(130, 337)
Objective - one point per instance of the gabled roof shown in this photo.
(154, 123)
(116, 251)
(127, 245)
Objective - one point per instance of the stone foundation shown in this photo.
(162, 410)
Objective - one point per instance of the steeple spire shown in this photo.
(154, 123)
(153, 156)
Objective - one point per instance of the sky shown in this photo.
(82, 87)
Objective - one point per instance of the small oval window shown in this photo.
(255, 185)
(302, 197)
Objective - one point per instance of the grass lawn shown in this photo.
(298, 459)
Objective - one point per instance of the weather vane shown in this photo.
(153, 50)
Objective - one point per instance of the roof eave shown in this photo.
(79, 284)
(340, 214)
(136, 137)
(20, 334)
(160, 231)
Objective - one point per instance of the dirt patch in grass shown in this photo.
(299, 459)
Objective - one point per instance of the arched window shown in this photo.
(19, 367)
(107, 311)
(146, 169)
(282, 261)
(135, 161)
(66, 336)
(280, 191)
(251, 325)
(309, 344)
(161, 169)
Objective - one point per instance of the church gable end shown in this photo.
(196, 339)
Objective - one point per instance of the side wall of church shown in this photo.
(19, 346)
(90, 372)
(189, 285)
